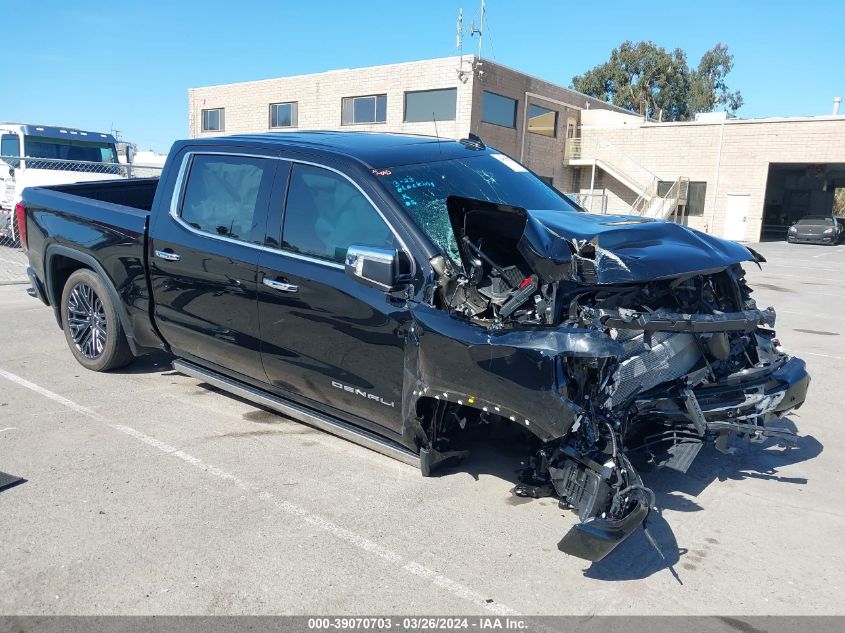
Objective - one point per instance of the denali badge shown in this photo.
(361, 392)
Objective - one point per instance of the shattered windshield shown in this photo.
(423, 188)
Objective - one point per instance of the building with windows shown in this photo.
(448, 97)
(732, 177)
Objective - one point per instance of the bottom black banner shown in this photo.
(402, 624)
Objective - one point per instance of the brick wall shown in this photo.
(671, 150)
(319, 98)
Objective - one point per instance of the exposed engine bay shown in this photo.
(639, 343)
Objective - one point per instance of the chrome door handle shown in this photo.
(275, 284)
(168, 256)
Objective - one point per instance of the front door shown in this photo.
(736, 217)
(204, 260)
(326, 337)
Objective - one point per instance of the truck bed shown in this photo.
(137, 193)
(103, 224)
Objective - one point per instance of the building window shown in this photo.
(570, 128)
(428, 105)
(498, 110)
(284, 114)
(695, 198)
(696, 194)
(548, 180)
(542, 120)
(212, 120)
(369, 109)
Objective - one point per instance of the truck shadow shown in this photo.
(154, 363)
(637, 558)
(676, 492)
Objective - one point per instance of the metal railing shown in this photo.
(591, 202)
(668, 205)
(643, 179)
(639, 178)
(17, 173)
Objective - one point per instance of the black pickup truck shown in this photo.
(405, 291)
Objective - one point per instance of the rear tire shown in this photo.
(91, 323)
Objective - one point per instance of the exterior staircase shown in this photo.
(650, 201)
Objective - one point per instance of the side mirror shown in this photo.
(376, 267)
(130, 154)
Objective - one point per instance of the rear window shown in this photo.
(223, 196)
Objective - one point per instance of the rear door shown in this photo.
(326, 337)
(204, 258)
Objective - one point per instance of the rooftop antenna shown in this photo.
(459, 44)
(480, 30)
(437, 134)
(459, 36)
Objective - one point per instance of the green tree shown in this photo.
(839, 202)
(647, 79)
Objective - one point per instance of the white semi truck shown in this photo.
(38, 155)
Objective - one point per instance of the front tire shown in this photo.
(91, 323)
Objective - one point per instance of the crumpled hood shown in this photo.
(618, 249)
(596, 249)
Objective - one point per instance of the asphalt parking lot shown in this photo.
(148, 492)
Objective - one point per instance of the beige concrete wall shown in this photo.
(319, 98)
(732, 157)
(246, 105)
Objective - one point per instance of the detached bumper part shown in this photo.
(595, 539)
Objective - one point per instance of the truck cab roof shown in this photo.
(375, 150)
(54, 131)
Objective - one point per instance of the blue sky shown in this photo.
(93, 64)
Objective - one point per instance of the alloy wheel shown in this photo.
(86, 320)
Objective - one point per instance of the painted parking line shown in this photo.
(833, 252)
(362, 543)
(815, 315)
(767, 286)
(818, 354)
(838, 280)
(769, 265)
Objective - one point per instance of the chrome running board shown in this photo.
(346, 431)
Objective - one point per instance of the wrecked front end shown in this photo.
(616, 342)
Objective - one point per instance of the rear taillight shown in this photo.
(20, 216)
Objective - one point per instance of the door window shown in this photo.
(222, 196)
(326, 213)
(9, 145)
